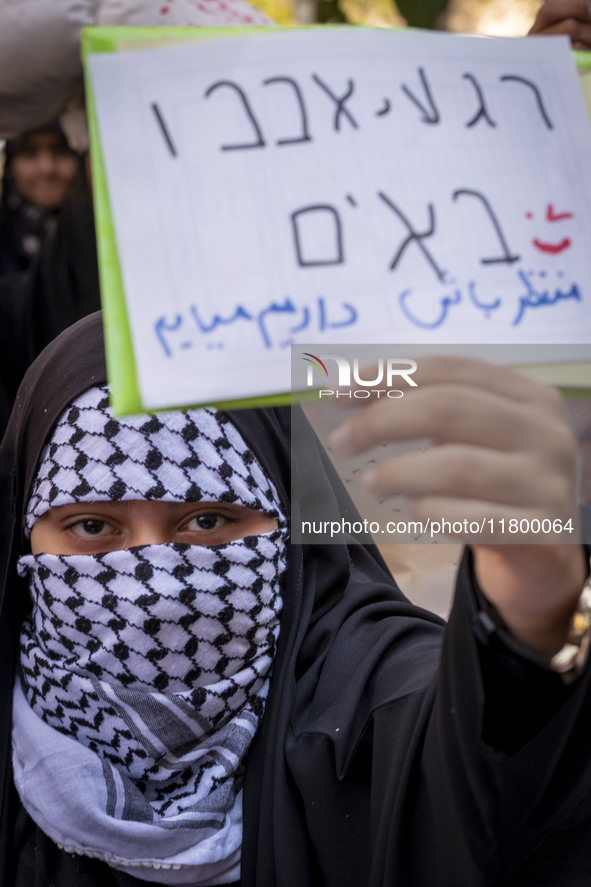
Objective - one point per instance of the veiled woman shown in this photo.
(196, 700)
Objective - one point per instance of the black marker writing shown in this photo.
(536, 92)
(428, 109)
(482, 111)
(340, 102)
(305, 136)
(414, 236)
(507, 257)
(332, 220)
(259, 141)
(164, 129)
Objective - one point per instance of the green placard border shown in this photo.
(121, 365)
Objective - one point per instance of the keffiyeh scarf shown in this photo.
(144, 671)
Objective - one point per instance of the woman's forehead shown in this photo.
(38, 140)
(130, 507)
(180, 456)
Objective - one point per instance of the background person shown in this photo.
(39, 167)
(60, 288)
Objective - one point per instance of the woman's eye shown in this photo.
(91, 527)
(207, 521)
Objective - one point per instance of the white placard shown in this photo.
(343, 185)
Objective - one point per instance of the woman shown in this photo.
(373, 763)
(39, 167)
(39, 188)
(61, 288)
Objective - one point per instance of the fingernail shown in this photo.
(369, 479)
(411, 506)
(340, 440)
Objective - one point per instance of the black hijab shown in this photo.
(374, 764)
(319, 578)
(61, 287)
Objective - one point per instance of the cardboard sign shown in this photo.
(338, 185)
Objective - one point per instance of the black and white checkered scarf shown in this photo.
(144, 671)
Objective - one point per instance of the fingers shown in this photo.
(442, 415)
(501, 450)
(555, 11)
(444, 412)
(462, 473)
(465, 371)
(477, 374)
(569, 17)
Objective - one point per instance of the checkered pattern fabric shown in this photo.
(121, 644)
(180, 456)
(146, 670)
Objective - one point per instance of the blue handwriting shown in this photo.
(317, 317)
(540, 298)
(435, 316)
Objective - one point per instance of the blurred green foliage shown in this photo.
(330, 12)
(418, 13)
(281, 11)
(421, 13)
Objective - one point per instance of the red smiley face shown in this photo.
(557, 247)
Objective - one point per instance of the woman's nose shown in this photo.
(46, 162)
(148, 533)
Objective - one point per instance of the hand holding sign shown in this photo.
(501, 469)
(570, 17)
